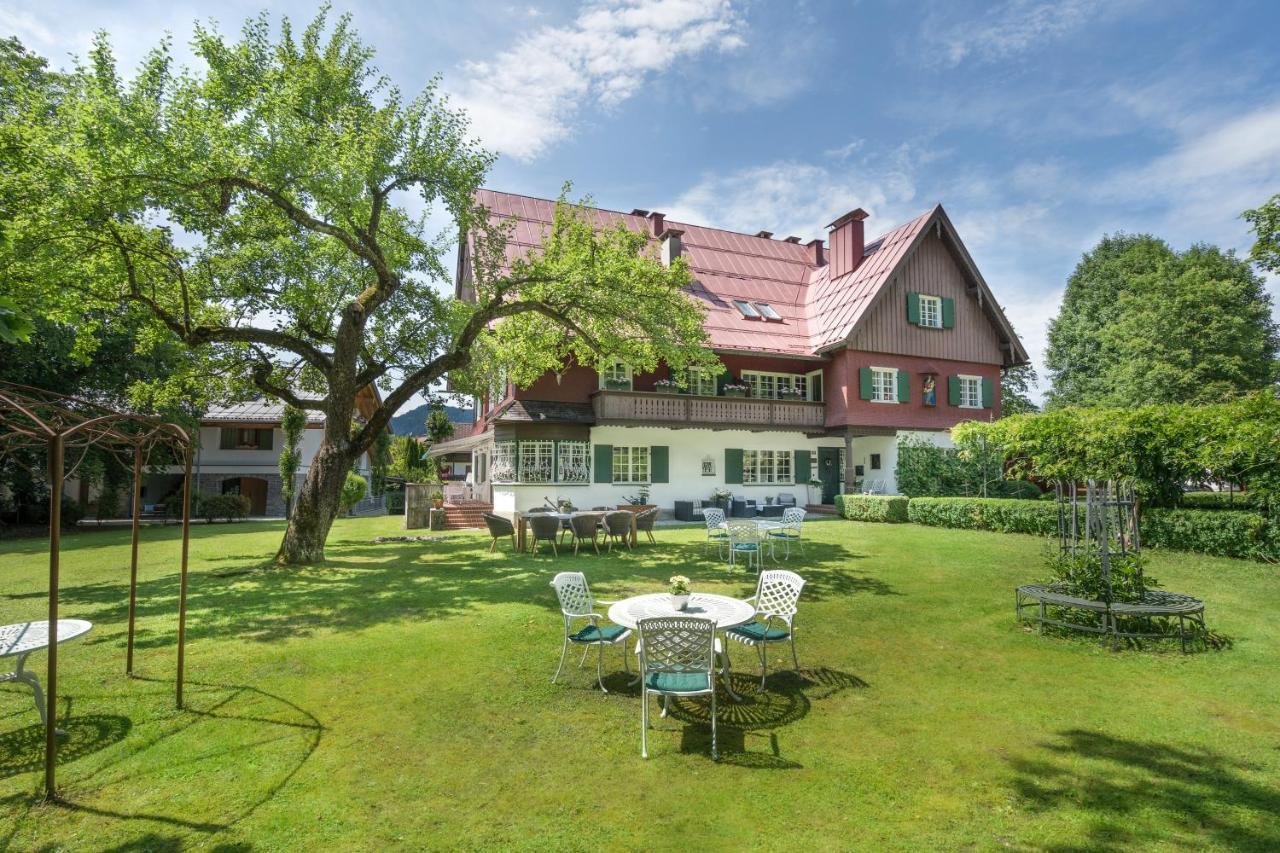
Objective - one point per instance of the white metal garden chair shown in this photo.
(677, 658)
(576, 603)
(790, 531)
(714, 518)
(744, 541)
(777, 593)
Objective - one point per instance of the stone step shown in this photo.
(821, 509)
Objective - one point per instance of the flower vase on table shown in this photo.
(679, 592)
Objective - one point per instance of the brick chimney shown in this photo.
(817, 256)
(671, 245)
(657, 224)
(848, 240)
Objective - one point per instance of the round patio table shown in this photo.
(21, 639)
(725, 611)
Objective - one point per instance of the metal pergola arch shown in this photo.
(38, 419)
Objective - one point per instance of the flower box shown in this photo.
(735, 392)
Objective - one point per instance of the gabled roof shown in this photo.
(261, 410)
(817, 313)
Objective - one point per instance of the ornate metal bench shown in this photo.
(1154, 604)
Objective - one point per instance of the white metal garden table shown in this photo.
(725, 611)
(21, 639)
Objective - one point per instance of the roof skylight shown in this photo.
(748, 310)
(767, 311)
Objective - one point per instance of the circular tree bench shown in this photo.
(1154, 604)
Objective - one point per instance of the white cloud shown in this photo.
(1010, 28)
(525, 99)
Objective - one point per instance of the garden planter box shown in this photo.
(733, 392)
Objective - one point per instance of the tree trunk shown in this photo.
(315, 507)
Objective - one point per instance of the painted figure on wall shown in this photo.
(930, 390)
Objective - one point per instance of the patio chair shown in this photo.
(618, 525)
(792, 525)
(777, 592)
(714, 517)
(786, 499)
(677, 658)
(576, 603)
(544, 527)
(644, 523)
(585, 526)
(499, 527)
(537, 509)
(744, 541)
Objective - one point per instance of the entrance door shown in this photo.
(253, 488)
(829, 472)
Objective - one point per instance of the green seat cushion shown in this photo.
(598, 634)
(678, 682)
(746, 546)
(784, 534)
(758, 632)
(720, 535)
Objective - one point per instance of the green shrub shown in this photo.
(884, 508)
(354, 490)
(228, 507)
(1019, 489)
(1218, 500)
(1004, 515)
(1222, 533)
(1081, 574)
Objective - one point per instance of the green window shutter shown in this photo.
(904, 387)
(802, 466)
(226, 439)
(658, 464)
(603, 463)
(953, 390)
(988, 393)
(913, 309)
(265, 437)
(864, 383)
(733, 466)
(948, 313)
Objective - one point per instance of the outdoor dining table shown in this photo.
(764, 526)
(725, 611)
(522, 524)
(21, 639)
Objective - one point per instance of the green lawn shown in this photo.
(401, 697)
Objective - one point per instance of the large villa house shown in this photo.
(831, 349)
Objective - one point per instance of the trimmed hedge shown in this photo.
(1218, 500)
(1222, 533)
(1004, 515)
(891, 509)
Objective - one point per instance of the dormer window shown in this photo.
(747, 309)
(767, 311)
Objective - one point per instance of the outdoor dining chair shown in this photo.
(617, 525)
(498, 528)
(744, 541)
(644, 522)
(677, 658)
(790, 531)
(714, 518)
(585, 526)
(777, 593)
(544, 527)
(576, 603)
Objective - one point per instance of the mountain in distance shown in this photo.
(413, 421)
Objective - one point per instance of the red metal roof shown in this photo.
(727, 265)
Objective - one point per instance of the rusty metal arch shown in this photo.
(38, 419)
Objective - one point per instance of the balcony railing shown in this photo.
(713, 412)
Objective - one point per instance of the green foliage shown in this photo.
(882, 508)
(410, 462)
(439, 427)
(379, 463)
(1265, 223)
(1218, 500)
(14, 328)
(1003, 515)
(292, 424)
(1223, 533)
(1081, 574)
(228, 507)
(1015, 389)
(354, 490)
(1141, 324)
(975, 468)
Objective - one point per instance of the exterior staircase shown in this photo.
(820, 509)
(465, 514)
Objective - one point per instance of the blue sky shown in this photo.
(1039, 125)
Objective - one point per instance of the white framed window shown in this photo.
(503, 467)
(630, 464)
(813, 386)
(884, 385)
(535, 460)
(931, 311)
(616, 374)
(970, 392)
(497, 389)
(573, 462)
(771, 386)
(766, 466)
(702, 382)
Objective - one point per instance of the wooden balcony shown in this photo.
(686, 410)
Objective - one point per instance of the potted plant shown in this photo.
(815, 490)
(733, 389)
(617, 384)
(564, 505)
(790, 394)
(667, 386)
(679, 592)
(721, 498)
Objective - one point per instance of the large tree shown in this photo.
(1265, 222)
(269, 210)
(1142, 324)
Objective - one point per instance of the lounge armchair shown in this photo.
(617, 525)
(585, 526)
(544, 527)
(644, 522)
(499, 527)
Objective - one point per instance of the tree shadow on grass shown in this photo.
(1146, 793)
(22, 750)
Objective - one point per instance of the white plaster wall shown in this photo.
(211, 459)
(887, 447)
